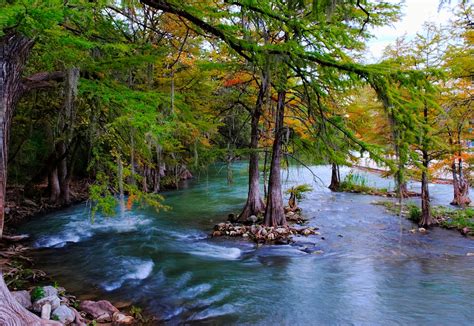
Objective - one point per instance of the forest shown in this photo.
(251, 128)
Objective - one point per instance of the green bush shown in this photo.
(414, 213)
(37, 293)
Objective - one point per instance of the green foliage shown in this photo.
(299, 190)
(414, 213)
(37, 293)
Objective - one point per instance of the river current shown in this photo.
(372, 270)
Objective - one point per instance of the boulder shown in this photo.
(119, 318)
(101, 310)
(53, 300)
(23, 298)
(46, 311)
(252, 219)
(50, 291)
(64, 314)
(422, 230)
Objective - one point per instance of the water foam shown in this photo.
(80, 229)
(218, 252)
(137, 270)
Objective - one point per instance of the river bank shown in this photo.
(41, 296)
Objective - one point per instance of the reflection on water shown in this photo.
(372, 271)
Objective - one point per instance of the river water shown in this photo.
(372, 270)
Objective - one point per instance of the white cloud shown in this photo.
(415, 13)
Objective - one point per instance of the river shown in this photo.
(372, 270)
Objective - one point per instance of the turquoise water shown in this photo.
(372, 272)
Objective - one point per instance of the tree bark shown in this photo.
(274, 213)
(255, 204)
(335, 177)
(426, 218)
(14, 50)
(53, 185)
(460, 186)
(13, 314)
(66, 128)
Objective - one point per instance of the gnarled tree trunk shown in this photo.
(274, 213)
(12, 313)
(14, 50)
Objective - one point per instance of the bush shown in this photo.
(414, 213)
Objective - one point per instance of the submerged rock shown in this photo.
(23, 298)
(422, 230)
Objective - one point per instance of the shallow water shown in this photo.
(372, 272)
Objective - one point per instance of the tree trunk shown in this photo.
(14, 50)
(335, 177)
(274, 213)
(255, 204)
(460, 186)
(53, 185)
(292, 202)
(426, 218)
(12, 313)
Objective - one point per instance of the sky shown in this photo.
(415, 13)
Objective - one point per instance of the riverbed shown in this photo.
(366, 267)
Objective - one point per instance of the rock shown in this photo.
(422, 230)
(271, 236)
(263, 232)
(64, 314)
(78, 320)
(465, 231)
(290, 213)
(281, 230)
(252, 219)
(216, 233)
(121, 319)
(253, 229)
(53, 300)
(233, 233)
(101, 310)
(413, 231)
(50, 291)
(23, 298)
(470, 254)
(46, 311)
(245, 235)
(306, 232)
